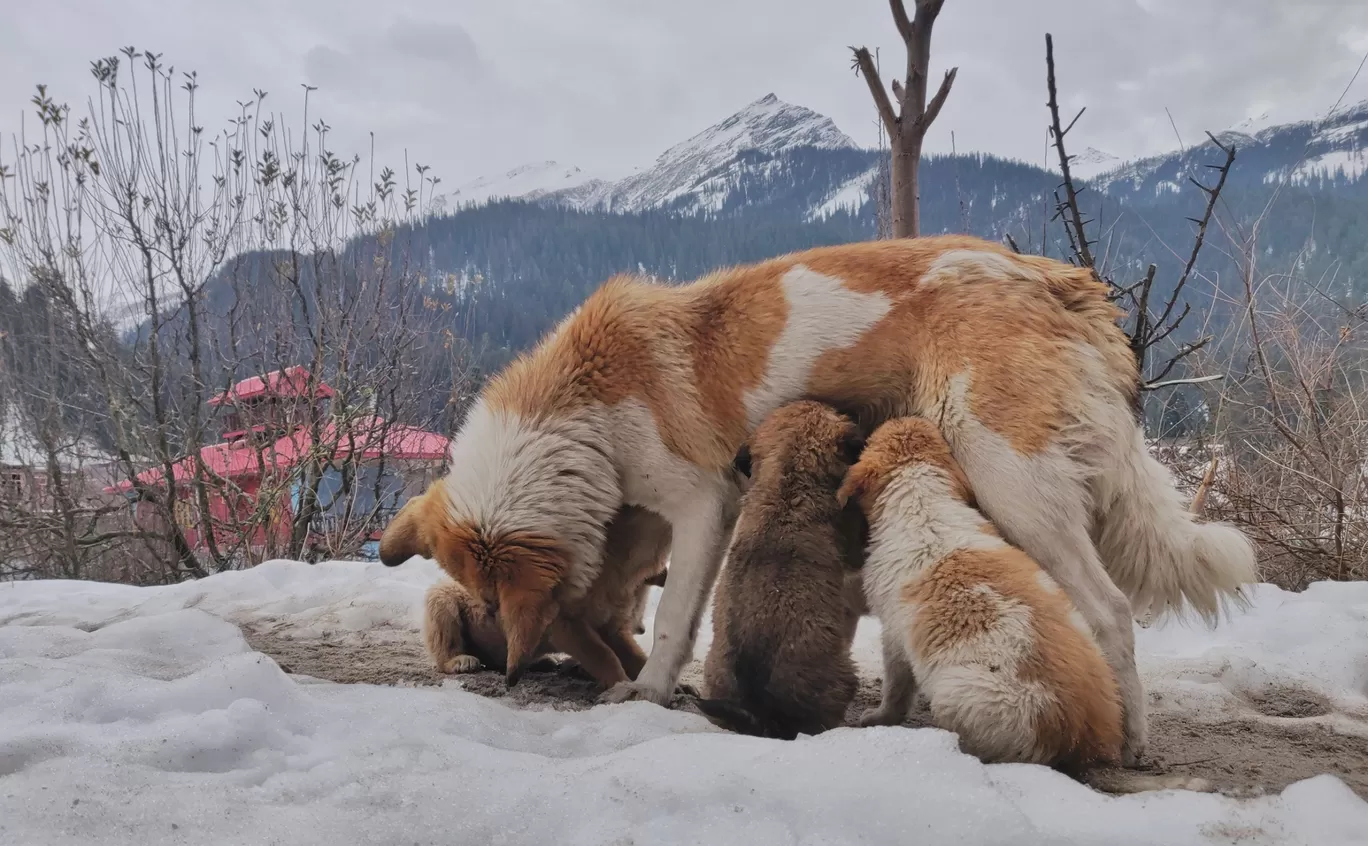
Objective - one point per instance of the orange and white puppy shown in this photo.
(597, 627)
(1002, 656)
(644, 394)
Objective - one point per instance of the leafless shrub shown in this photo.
(1292, 419)
(175, 262)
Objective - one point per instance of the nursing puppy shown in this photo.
(779, 664)
(597, 629)
(996, 646)
(645, 393)
(462, 636)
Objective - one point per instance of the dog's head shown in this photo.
(515, 575)
(806, 439)
(898, 443)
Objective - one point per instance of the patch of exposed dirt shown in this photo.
(1248, 756)
(1243, 756)
(1290, 702)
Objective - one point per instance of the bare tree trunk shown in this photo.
(908, 125)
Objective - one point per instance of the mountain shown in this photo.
(777, 177)
(1328, 153)
(700, 175)
(528, 181)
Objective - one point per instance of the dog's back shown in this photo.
(780, 662)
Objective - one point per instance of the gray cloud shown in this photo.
(477, 87)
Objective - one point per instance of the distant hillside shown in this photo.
(776, 178)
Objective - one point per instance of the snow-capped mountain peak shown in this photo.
(768, 125)
(1091, 162)
(697, 174)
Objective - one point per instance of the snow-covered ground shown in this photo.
(142, 716)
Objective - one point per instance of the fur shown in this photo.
(645, 393)
(1002, 656)
(463, 635)
(779, 664)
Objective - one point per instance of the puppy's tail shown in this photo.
(1156, 550)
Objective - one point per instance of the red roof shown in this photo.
(370, 437)
(292, 381)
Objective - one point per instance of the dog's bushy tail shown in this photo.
(1161, 556)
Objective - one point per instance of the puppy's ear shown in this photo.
(741, 463)
(407, 534)
(853, 487)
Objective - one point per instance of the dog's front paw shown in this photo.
(461, 664)
(880, 717)
(633, 692)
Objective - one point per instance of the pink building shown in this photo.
(266, 444)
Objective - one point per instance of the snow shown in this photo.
(1351, 164)
(1315, 640)
(1092, 162)
(140, 715)
(849, 197)
(19, 447)
(528, 181)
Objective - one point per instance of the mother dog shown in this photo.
(644, 394)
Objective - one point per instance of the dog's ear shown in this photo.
(407, 534)
(527, 603)
(741, 463)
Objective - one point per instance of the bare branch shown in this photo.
(1074, 216)
(864, 66)
(934, 107)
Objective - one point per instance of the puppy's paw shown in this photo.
(683, 689)
(880, 717)
(461, 664)
(633, 692)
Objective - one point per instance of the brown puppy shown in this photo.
(463, 634)
(780, 662)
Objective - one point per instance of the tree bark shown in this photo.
(908, 125)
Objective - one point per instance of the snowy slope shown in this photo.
(526, 182)
(1333, 148)
(141, 716)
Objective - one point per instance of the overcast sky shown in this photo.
(475, 87)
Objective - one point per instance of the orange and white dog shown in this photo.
(644, 394)
(1002, 656)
